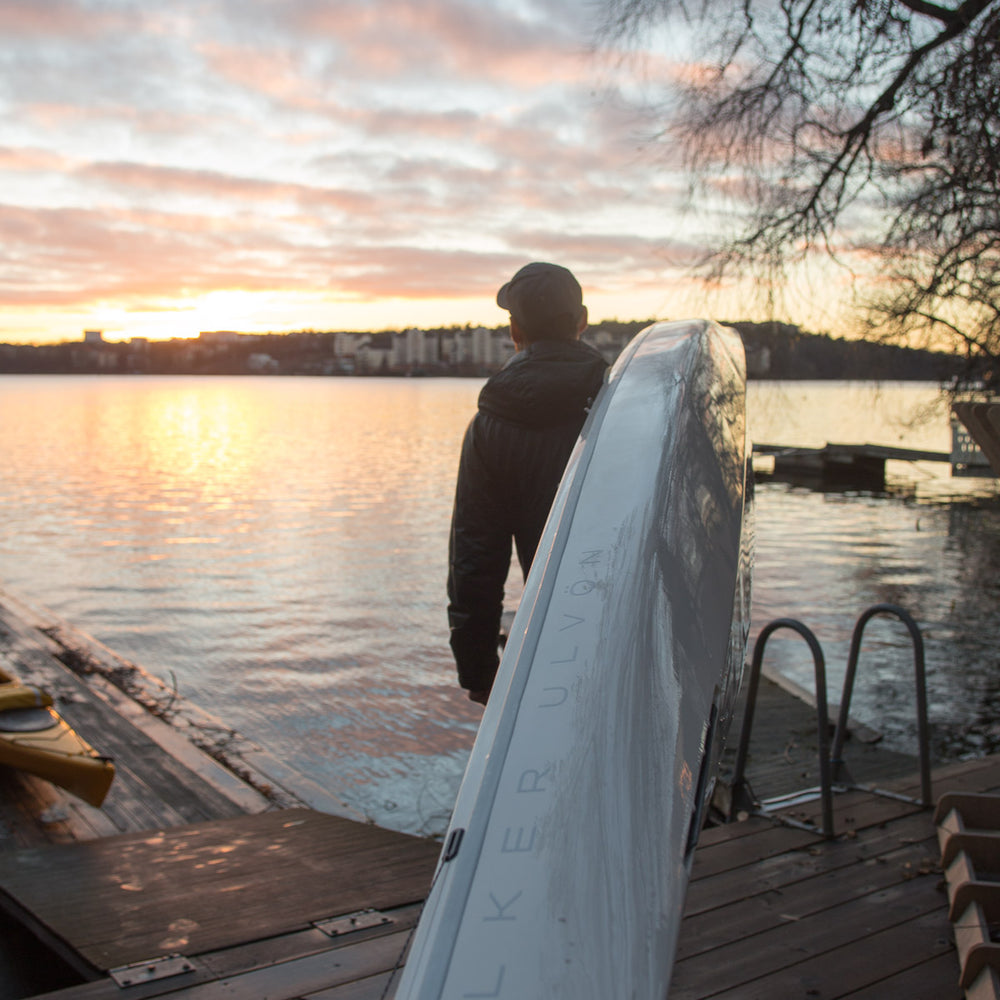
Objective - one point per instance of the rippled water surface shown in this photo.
(278, 546)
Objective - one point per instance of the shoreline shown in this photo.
(168, 717)
(783, 752)
(205, 850)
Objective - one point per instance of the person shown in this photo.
(513, 455)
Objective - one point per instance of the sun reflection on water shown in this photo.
(279, 546)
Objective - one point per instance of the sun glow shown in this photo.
(229, 309)
(673, 296)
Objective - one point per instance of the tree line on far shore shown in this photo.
(774, 350)
(778, 350)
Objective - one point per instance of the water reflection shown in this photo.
(825, 559)
(279, 546)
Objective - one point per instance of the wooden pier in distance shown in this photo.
(233, 889)
(848, 465)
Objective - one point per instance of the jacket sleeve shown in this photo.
(478, 561)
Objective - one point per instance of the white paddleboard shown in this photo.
(566, 863)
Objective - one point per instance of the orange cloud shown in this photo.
(221, 188)
(355, 151)
(56, 18)
(31, 159)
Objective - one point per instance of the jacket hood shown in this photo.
(548, 383)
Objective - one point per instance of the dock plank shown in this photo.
(708, 892)
(869, 902)
(862, 916)
(775, 907)
(177, 745)
(845, 971)
(200, 888)
(270, 951)
(372, 988)
(147, 773)
(301, 964)
(933, 979)
(779, 953)
(291, 980)
(772, 911)
(768, 840)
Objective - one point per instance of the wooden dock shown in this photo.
(195, 884)
(259, 906)
(774, 911)
(859, 466)
(226, 861)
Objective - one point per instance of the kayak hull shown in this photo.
(34, 738)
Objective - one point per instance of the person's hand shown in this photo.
(480, 697)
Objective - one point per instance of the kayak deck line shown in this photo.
(770, 905)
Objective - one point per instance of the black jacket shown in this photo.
(513, 456)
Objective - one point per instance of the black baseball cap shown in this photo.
(541, 291)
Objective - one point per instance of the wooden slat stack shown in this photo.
(968, 828)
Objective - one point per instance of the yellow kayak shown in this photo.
(34, 738)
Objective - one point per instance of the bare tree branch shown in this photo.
(850, 125)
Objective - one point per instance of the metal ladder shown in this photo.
(833, 774)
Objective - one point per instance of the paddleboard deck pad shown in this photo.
(564, 870)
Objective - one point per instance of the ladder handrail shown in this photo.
(739, 785)
(923, 729)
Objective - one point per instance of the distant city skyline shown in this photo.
(169, 169)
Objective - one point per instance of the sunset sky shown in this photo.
(272, 165)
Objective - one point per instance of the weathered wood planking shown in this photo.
(777, 912)
(804, 950)
(213, 885)
(37, 646)
(298, 965)
(772, 912)
(717, 899)
(162, 778)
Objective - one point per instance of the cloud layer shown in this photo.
(326, 165)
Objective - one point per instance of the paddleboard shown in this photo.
(564, 869)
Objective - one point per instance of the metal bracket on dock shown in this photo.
(359, 921)
(148, 972)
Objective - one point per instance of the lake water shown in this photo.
(277, 546)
